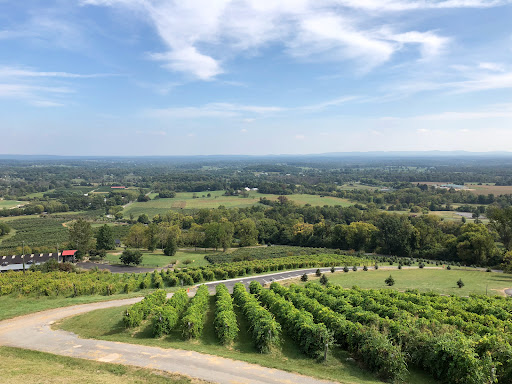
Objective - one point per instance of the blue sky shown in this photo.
(157, 77)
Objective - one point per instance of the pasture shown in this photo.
(10, 204)
(186, 200)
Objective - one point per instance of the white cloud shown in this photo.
(494, 67)
(300, 137)
(200, 35)
(35, 95)
(243, 130)
(10, 72)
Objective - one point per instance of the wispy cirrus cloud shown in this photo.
(223, 110)
(10, 72)
(326, 30)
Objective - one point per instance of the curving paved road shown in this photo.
(34, 332)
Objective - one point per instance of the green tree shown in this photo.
(105, 238)
(324, 280)
(390, 281)
(136, 236)
(4, 229)
(475, 244)
(500, 220)
(246, 231)
(171, 247)
(507, 262)
(143, 219)
(360, 235)
(131, 256)
(151, 236)
(80, 237)
(460, 283)
(397, 236)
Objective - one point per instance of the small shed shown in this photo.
(68, 255)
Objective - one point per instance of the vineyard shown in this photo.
(456, 340)
(35, 232)
(104, 283)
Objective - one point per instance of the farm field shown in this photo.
(24, 366)
(35, 231)
(9, 203)
(487, 189)
(107, 325)
(185, 200)
(441, 281)
(158, 259)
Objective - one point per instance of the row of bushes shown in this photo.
(310, 336)
(195, 314)
(265, 330)
(368, 344)
(141, 310)
(443, 351)
(226, 327)
(166, 317)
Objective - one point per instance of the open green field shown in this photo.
(24, 366)
(157, 259)
(437, 280)
(107, 324)
(185, 200)
(9, 204)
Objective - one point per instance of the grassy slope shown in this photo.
(23, 366)
(9, 203)
(158, 259)
(437, 280)
(107, 325)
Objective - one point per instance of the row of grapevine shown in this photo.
(225, 323)
(141, 310)
(443, 351)
(106, 283)
(195, 314)
(368, 344)
(264, 328)
(311, 337)
(166, 317)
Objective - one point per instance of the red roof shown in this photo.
(70, 252)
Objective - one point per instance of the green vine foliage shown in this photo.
(165, 318)
(226, 326)
(299, 324)
(195, 314)
(264, 328)
(441, 349)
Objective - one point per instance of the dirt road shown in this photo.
(34, 332)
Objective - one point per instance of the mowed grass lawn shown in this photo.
(24, 366)
(185, 200)
(157, 259)
(437, 280)
(106, 324)
(9, 203)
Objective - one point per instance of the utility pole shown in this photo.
(23, 255)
